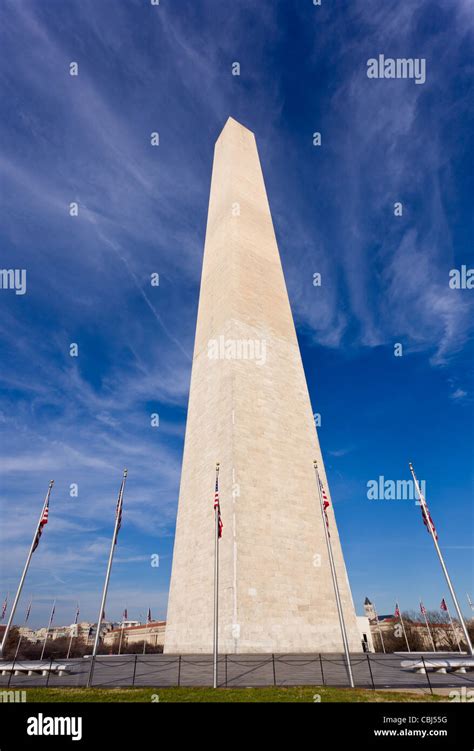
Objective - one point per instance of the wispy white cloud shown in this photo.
(384, 277)
(458, 395)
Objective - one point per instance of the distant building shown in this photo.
(152, 633)
(56, 632)
(83, 630)
(87, 631)
(28, 634)
(383, 626)
(369, 610)
(129, 624)
(365, 631)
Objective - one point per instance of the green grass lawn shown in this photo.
(266, 694)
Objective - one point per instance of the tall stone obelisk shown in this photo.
(249, 409)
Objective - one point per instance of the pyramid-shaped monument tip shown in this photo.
(233, 124)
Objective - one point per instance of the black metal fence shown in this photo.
(372, 671)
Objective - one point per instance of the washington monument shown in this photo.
(249, 409)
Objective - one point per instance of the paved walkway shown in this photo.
(376, 670)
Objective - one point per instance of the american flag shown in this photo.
(326, 504)
(118, 515)
(77, 614)
(427, 520)
(118, 512)
(422, 609)
(4, 608)
(443, 605)
(125, 614)
(42, 522)
(397, 611)
(217, 506)
(148, 618)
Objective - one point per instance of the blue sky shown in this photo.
(142, 209)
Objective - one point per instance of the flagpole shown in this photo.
(441, 560)
(423, 612)
(452, 626)
(70, 640)
(118, 516)
(17, 648)
(21, 635)
(403, 627)
(216, 586)
(25, 571)
(47, 630)
(121, 636)
(70, 645)
(334, 580)
(377, 622)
